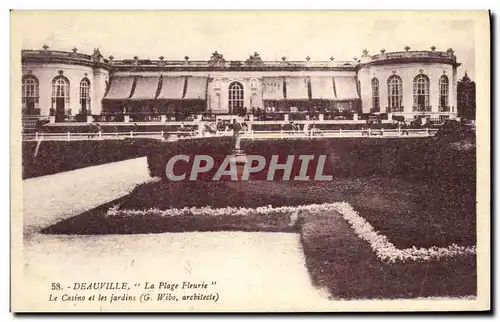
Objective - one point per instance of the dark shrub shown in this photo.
(58, 156)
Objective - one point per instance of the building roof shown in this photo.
(254, 63)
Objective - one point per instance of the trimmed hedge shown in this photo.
(425, 159)
(217, 147)
(451, 172)
(58, 156)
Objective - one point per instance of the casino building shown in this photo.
(75, 87)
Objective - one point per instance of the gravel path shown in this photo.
(52, 198)
(251, 271)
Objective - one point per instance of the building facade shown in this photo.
(70, 86)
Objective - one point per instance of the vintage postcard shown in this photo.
(250, 161)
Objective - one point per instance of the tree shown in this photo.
(466, 98)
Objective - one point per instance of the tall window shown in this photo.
(85, 95)
(395, 92)
(444, 92)
(235, 98)
(60, 91)
(30, 95)
(375, 95)
(421, 93)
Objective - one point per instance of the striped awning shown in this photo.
(297, 88)
(322, 88)
(272, 88)
(346, 87)
(120, 88)
(145, 88)
(196, 88)
(172, 88)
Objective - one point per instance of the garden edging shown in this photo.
(379, 243)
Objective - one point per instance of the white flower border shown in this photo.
(380, 244)
(385, 250)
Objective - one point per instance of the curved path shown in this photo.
(52, 198)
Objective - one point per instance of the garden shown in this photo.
(398, 220)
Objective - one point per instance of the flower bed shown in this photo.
(384, 249)
(112, 220)
(338, 260)
(408, 213)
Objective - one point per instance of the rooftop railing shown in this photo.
(229, 64)
(413, 55)
(222, 63)
(136, 62)
(55, 53)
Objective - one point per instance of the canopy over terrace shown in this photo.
(171, 93)
(194, 100)
(310, 94)
(322, 93)
(142, 100)
(120, 88)
(347, 94)
(297, 94)
(285, 94)
(197, 87)
(153, 95)
(116, 98)
(172, 88)
(346, 88)
(273, 93)
(146, 88)
(294, 93)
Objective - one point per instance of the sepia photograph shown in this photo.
(250, 161)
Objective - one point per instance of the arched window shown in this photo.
(60, 89)
(30, 95)
(395, 93)
(421, 93)
(235, 98)
(85, 95)
(444, 92)
(375, 95)
(60, 97)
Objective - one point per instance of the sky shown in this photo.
(237, 34)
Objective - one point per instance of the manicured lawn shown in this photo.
(49, 157)
(335, 257)
(416, 192)
(409, 214)
(176, 195)
(347, 267)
